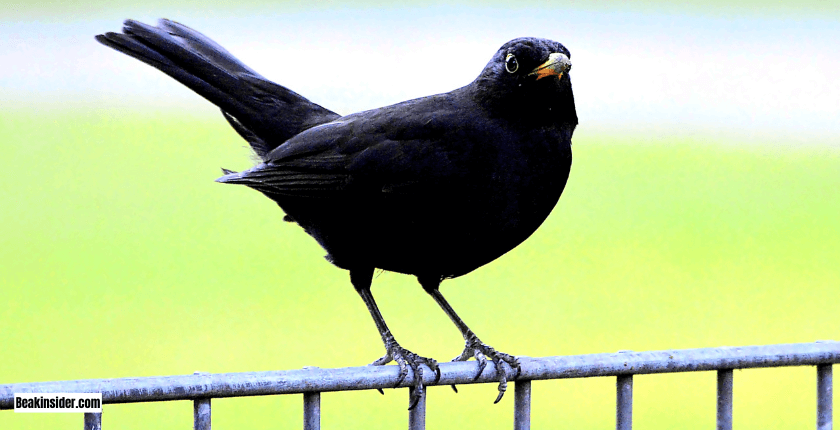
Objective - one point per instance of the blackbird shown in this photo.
(433, 187)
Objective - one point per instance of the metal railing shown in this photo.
(311, 382)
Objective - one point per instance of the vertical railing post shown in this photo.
(201, 408)
(724, 399)
(201, 414)
(417, 416)
(624, 402)
(522, 405)
(824, 397)
(93, 421)
(312, 410)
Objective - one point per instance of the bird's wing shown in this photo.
(405, 148)
(262, 112)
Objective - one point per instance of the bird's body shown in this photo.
(433, 187)
(428, 186)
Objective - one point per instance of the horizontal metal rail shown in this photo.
(311, 381)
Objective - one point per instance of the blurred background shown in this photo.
(702, 208)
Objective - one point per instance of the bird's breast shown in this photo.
(457, 227)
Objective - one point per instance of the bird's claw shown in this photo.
(481, 351)
(406, 359)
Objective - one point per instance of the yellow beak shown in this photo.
(556, 65)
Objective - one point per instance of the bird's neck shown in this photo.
(551, 106)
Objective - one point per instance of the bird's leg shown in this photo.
(393, 351)
(474, 346)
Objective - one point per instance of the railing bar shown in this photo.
(201, 414)
(624, 402)
(522, 405)
(417, 416)
(93, 421)
(724, 399)
(312, 410)
(181, 387)
(824, 397)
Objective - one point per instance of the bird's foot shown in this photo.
(406, 359)
(481, 351)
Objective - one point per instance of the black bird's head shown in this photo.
(528, 79)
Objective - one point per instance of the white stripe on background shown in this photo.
(630, 71)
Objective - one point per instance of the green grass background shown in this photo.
(121, 257)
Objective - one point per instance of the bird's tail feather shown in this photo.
(166, 50)
(262, 112)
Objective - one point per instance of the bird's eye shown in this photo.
(510, 64)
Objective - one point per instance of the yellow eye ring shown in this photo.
(511, 65)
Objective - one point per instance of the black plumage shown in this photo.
(433, 187)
